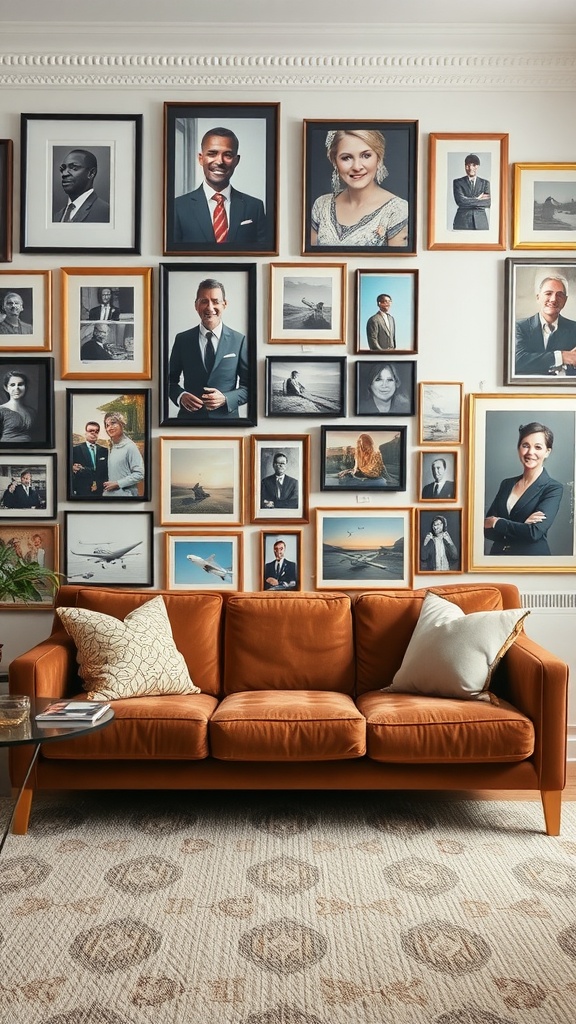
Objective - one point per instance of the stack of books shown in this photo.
(71, 712)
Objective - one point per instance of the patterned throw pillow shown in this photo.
(134, 658)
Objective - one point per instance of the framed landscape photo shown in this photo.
(6, 165)
(374, 160)
(106, 323)
(387, 311)
(385, 387)
(108, 434)
(363, 458)
(438, 476)
(280, 477)
(34, 543)
(27, 486)
(308, 303)
(204, 561)
(81, 181)
(197, 299)
(201, 481)
(306, 386)
(467, 191)
(281, 561)
(522, 449)
(111, 549)
(229, 150)
(26, 402)
(540, 322)
(439, 547)
(25, 311)
(440, 413)
(368, 549)
(544, 198)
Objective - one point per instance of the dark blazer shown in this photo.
(446, 490)
(247, 227)
(94, 313)
(287, 578)
(379, 337)
(229, 373)
(92, 350)
(531, 356)
(471, 212)
(511, 534)
(268, 492)
(82, 480)
(19, 499)
(94, 210)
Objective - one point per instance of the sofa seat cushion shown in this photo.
(172, 727)
(409, 728)
(294, 725)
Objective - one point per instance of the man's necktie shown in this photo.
(277, 570)
(209, 353)
(436, 490)
(220, 220)
(105, 312)
(548, 337)
(92, 454)
(70, 209)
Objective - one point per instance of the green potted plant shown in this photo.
(21, 581)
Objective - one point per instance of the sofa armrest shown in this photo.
(47, 670)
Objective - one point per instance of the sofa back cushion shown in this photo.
(384, 624)
(288, 642)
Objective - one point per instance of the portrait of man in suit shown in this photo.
(381, 327)
(23, 494)
(105, 310)
(278, 490)
(472, 197)
(97, 346)
(440, 487)
(89, 464)
(545, 343)
(78, 170)
(280, 574)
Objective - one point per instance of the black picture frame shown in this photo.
(40, 502)
(452, 548)
(324, 393)
(39, 402)
(6, 168)
(180, 359)
(400, 160)
(108, 221)
(110, 543)
(528, 363)
(398, 391)
(86, 483)
(344, 450)
(253, 211)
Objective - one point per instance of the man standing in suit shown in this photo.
(441, 487)
(89, 464)
(216, 213)
(22, 495)
(105, 311)
(279, 490)
(381, 328)
(279, 574)
(472, 197)
(96, 346)
(546, 342)
(211, 361)
(77, 171)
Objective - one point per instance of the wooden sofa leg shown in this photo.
(22, 812)
(552, 806)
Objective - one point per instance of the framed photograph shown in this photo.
(280, 561)
(116, 550)
(363, 458)
(360, 187)
(208, 381)
(201, 481)
(438, 476)
(544, 201)
(34, 543)
(221, 178)
(106, 323)
(280, 477)
(385, 387)
(438, 541)
(387, 311)
(204, 561)
(540, 327)
(108, 445)
(521, 489)
(27, 486)
(306, 386)
(367, 549)
(308, 303)
(26, 402)
(81, 181)
(25, 311)
(440, 413)
(6, 165)
(467, 191)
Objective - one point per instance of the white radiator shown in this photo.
(552, 623)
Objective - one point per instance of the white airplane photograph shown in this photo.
(117, 550)
(210, 565)
(207, 562)
(103, 554)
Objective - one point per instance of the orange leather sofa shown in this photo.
(291, 700)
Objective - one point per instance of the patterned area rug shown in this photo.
(287, 909)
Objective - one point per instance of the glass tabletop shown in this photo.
(29, 731)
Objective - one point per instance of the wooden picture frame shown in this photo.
(6, 169)
(27, 411)
(106, 323)
(208, 560)
(111, 549)
(468, 199)
(439, 548)
(385, 387)
(438, 476)
(247, 161)
(544, 206)
(307, 303)
(286, 458)
(27, 326)
(387, 312)
(440, 413)
(63, 156)
(201, 481)
(306, 386)
(281, 575)
(28, 486)
(91, 477)
(540, 291)
(364, 549)
(363, 458)
(40, 543)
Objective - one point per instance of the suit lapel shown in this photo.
(530, 494)
(237, 214)
(201, 214)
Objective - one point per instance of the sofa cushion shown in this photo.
(406, 728)
(287, 725)
(131, 658)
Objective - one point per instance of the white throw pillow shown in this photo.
(133, 658)
(451, 654)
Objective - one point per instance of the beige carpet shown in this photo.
(287, 909)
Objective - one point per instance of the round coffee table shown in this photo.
(29, 731)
